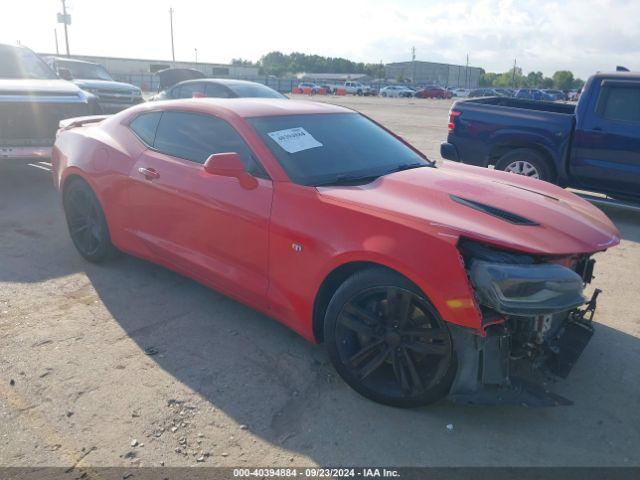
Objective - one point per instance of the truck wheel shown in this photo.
(387, 341)
(526, 162)
(86, 221)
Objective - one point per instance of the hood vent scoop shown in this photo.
(496, 212)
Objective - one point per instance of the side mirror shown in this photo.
(230, 165)
(65, 74)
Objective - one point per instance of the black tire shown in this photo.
(387, 341)
(86, 222)
(383, 94)
(521, 159)
(359, 93)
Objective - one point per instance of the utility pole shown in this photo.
(466, 73)
(173, 53)
(55, 33)
(413, 65)
(196, 50)
(513, 77)
(65, 19)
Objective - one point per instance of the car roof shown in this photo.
(221, 81)
(621, 75)
(73, 60)
(244, 107)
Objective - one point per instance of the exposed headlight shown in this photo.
(526, 290)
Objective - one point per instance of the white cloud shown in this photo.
(581, 35)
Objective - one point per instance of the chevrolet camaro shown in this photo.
(423, 280)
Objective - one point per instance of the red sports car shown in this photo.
(433, 92)
(422, 280)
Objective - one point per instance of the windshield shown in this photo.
(22, 63)
(321, 149)
(254, 90)
(86, 71)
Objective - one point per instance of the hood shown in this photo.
(38, 87)
(106, 85)
(499, 208)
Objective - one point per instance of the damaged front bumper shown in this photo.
(535, 325)
(499, 369)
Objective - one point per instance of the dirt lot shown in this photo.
(228, 384)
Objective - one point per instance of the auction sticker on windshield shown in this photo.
(293, 140)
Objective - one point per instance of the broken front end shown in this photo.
(535, 324)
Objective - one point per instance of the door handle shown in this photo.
(149, 173)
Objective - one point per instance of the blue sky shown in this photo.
(582, 35)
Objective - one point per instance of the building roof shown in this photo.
(423, 62)
(332, 76)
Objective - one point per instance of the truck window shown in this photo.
(620, 103)
(20, 62)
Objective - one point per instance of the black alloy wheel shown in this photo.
(387, 341)
(86, 222)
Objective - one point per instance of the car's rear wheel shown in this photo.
(86, 222)
(526, 162)
(387, 341)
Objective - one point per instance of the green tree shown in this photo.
(535, 79)
(563, 80)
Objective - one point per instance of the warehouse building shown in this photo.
(431, 73)
(141, 72)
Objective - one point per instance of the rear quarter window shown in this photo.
(144, 126)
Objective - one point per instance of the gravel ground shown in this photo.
(130, 364)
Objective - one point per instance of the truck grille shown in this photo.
(33, 123)
(110, 96)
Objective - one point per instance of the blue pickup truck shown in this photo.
(594, 145)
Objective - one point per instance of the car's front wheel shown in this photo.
(86, 222)
(387, 341)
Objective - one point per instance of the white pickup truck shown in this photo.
(354, 88)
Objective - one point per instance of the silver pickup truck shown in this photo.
(33, 100)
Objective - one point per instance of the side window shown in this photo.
(216, 90)
(620, 103)
(145, 126)
(194, 137)
(188, 89)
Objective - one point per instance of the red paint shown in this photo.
(272, 245)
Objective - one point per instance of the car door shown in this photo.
(207, 226)
(606, 146)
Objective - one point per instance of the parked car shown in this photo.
(594, 145)
(94, 78)
(533, 94)
(460, 92)
(573, 95)
(314, 87)
(430, 281)
(33, 100)
(433, 92)
(397, 91)
(504, 92)
(353, 88)
(555, 95)
(218, 88)
(483, 92)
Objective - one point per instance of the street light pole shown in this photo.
(173, 53)
(55, 33)
(66, 34)
(196, 50)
